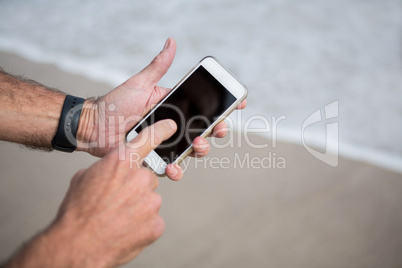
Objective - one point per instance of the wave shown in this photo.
(381, 158)
(97, 71)
(91, 69)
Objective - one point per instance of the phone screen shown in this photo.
(194, 106)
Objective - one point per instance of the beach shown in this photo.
(285, 209)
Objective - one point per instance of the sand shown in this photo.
(300, 214)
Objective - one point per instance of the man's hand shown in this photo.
(105, 121)
(30, 112)
(110, 212)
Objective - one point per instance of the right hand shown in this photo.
(110, 212)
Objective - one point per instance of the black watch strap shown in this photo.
(65, 139)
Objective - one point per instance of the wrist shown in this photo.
(86, 132)
(48, 249)
(62, 245)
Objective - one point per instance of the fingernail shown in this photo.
(201, 147)
(167, 44)
(173, 171)
(172, 124)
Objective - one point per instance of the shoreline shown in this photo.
(349, 151)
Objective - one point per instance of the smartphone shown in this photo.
(202, 99)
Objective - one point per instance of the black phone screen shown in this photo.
(194, 106)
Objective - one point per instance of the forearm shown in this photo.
(37, 253)
(29, 112)
(53, 248)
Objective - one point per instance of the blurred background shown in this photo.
(295, 57)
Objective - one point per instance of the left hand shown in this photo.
(105, 121)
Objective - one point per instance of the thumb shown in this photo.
(161, 63)
(151, 137)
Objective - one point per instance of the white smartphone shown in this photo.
(202, 99)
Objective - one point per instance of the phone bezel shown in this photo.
(221, 74)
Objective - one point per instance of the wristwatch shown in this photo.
(65, 139)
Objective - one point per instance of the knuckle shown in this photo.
(156, 200)
(77, 176)
(80, 173)
(155, 182)
(158, 227)
(153, 230)
(146, 176)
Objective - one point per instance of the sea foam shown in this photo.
(295, 57)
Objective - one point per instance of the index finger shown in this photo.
(151, 137)
(242, 105)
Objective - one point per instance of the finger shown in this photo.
(155, 183)
(150, 138)
(200, 147)
(145, 178)
(174, 172)
(161, 63)
(242, 105)
(220, 130)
